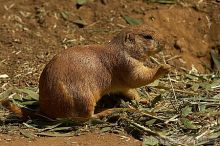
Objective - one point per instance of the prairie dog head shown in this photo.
(140, 42)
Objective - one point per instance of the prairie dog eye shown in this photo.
(148, 37)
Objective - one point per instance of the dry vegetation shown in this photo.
(183, 107)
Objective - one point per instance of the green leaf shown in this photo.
(150, 140)
(50, 127)
(26, 103)
(105, 129)
(54, 134)
(206, 86)
(81, 2)
(80, 22)
(6, 93)
(195, 87)
(64, 15)
(191, 77)
(188, 124)
(96, 122)
(162, 1)
(61, 129)
(27, 134)
(216, 96)
(132, 21)
(216, 59)
(186, 110)
(214, 135)
(202, 107)
(150, 122)
(215, 84)
(30, 93)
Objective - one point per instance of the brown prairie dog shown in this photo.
(75, 80)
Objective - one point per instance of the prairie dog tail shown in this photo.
(20, 112)
(107, 112)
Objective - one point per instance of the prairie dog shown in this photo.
(75, 80)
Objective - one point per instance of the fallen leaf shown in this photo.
(55, 134)
(216, 59)
(30, 93)
(105, 129)
(186, 111)
(188, 124)
(132, 21)
(80, 22)
(27, 134)
(81, 2)
(150, 141)
(150, 122)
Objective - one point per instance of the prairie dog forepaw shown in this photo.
(164, 69)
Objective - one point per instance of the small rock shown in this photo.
(3, 76)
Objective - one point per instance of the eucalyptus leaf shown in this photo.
(216, 59)
(6, 93)
(150, 122)
(81, 2)
(96, 121)
(150, 141)
(202, 107)
(30, 93)
(214, 135)
(27, 134)
(217, 96)
(215, 84)
(195, 87)
(64, 15)
(132, 21)
(50, 127)
(80, 22)
(206, 86)
(188, 124)
(191, 77)
(60, 129)
(186, 111)
(105, 129)
(26, 103)
(55, 134)
(162, 1)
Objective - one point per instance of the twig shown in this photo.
(171, 84)
(174, 57)
(151, 132)
(171, 119)
(155, 60)
(204, 133)
(187, 92)
(151, 116)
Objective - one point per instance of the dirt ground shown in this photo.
(33, 31)
(89, 139)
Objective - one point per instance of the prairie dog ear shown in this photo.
(129, 39)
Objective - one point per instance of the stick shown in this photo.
(151, 132)
(171, 84)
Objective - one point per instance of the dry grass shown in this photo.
(185, 113)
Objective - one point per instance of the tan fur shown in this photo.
(74, 80)
(20, 112)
